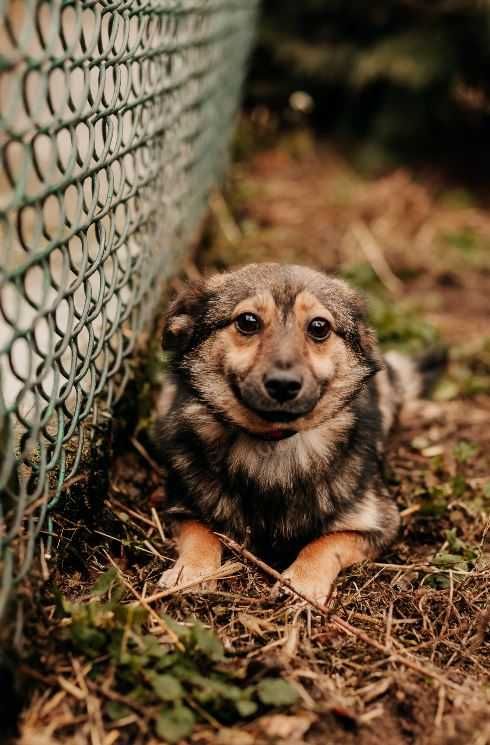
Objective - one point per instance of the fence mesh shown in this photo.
(115, 120)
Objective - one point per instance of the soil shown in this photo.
(301, 201)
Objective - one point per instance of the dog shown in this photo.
(272, 424)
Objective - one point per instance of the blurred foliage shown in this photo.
(399, 73)
(468, 373)
(448, 481)
(399, 324)
(457, 556)
(465, 249)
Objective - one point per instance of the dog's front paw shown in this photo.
(184, 574)
(313, 585)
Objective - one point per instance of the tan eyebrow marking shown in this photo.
(263, 304)
(307, 307)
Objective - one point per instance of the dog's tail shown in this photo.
(415, 377)
(405, 379)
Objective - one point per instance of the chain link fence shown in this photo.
(115, 121)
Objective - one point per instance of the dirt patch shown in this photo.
(420, 248)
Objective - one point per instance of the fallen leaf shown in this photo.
(175, 724)
(276, 692)
(287, 727)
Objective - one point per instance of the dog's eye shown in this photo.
(319, 329)
(247, 323)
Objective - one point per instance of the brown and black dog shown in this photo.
(272, 424)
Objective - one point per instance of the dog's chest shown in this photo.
(274, 491)
(283, 465)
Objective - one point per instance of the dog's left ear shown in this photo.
(365, 339)
(369, 347)
(182, 317)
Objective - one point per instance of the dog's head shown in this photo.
(273, 349)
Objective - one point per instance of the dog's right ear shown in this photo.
(182, 316)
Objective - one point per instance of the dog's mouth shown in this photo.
(273, 435)
(281, 415)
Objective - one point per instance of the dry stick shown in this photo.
(146, 456)
(158, 523)
(440, 707)
(221, 212)
(399, 567)
(145, 605)
(376, 258)
(114, 696)
(482, 624)
(339, 622)
(52, 492)
(30, 672)
(124, 508)
(450, 606)
(223, 572)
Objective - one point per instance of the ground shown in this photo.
(411, 663)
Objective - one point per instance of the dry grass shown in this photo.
(402, 652)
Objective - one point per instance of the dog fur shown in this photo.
(300, 481)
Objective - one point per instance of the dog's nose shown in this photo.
(283, 386)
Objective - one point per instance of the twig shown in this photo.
(202, 712)
(52, 702)
(483, 623)
(389, 626)
(410, 510)
(114, 696)
(225, 219)
(340, 622)
(43, 558)
(146, 605)
(399, 567)
(92, 703)
(71, 688)
(366, 584)
(124, 508)
(376, 258)
(52, 492)
(158, 523)
(441, 700)
(450, 605)
(144, 454)
(224, 571)
(151, 548)
(30, 672)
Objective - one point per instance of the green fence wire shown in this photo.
(115, 121)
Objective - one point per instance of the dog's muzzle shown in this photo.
(283, 386)
(279, 400)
